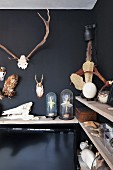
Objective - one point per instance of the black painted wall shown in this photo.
(63, 53)
(103, 13)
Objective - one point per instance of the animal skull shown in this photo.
(39, 87)
(2, 73)
(22, 62)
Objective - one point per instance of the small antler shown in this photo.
(9, 52)
(45, 37)
(36, 79)
(42, 78)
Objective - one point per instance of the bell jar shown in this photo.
(51, 105)
(66, 105)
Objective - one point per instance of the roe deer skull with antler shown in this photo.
(23, 60)
(39, 87)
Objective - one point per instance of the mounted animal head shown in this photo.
(2, 73)
(23, 60)
(39, 87)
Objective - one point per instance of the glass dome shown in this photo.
(51, 105)
(66, 105)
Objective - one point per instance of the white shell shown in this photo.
(22, 62)
(89, 90)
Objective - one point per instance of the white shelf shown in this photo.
(98, 107)
(99, 144)
(42, 120)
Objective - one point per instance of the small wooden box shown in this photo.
(84, 114)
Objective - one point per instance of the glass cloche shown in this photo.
(66, 105)
(51, 105)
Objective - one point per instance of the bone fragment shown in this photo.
(23, 109)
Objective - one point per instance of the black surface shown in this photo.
(24, 149)
(103, 13)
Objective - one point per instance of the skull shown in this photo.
(39, 87)
(2, 73)
(22, 62)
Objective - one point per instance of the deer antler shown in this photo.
(42, 78)
(9, 52)
(22, 61)
(45, 37)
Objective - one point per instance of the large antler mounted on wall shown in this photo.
(23, 60)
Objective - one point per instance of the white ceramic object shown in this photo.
(86, 154)
(89, 90)
(84, 145)
(88, 157)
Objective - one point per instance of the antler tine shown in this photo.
(36, 79)
(45, 37)
(9, 52)
(42, 78)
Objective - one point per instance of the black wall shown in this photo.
(63, 53)
(103, 16)
(103, 13)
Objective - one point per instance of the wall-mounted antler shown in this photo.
(39, 87)
(23, 60)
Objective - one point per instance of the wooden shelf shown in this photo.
(101, 109)
(98, 107)
(42, 120)
(99, 144)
